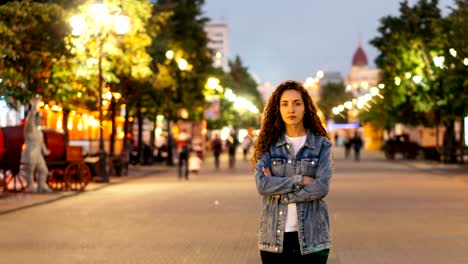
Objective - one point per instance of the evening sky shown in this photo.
(280, 40)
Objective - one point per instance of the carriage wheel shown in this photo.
(77, 176)
(14, 182)
(55, 180)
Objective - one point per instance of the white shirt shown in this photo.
(291, 216)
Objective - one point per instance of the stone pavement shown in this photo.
(14, 201)
(381, 212)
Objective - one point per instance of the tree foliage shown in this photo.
(124, 57)
(408, 44)
(333, 94)
(243, 83)
(183, 33)
(32, 45)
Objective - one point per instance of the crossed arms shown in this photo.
(296, 188)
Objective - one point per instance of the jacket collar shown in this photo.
(310, 140)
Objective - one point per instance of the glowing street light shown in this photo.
(397, 81)
(182, 64)
(453, 52)
(212, 83)
(417, 79)
(438, 61)
(320, 74)
(348, 105)
(170, 54)
(335, 110)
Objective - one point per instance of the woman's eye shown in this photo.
(284, 104)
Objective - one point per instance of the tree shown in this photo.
(32, 43)
(419, 87)
(333, 94)
(244, 85)
(123, 58)
(184, 34)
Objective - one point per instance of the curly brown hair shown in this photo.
(273, 125)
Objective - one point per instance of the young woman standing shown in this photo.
(293, 168)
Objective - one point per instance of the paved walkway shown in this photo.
(381, 212)
(10, 201)
(14, 201)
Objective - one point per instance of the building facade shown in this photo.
(361, 78)
(218, 40)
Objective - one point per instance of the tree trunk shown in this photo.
(112, 139)
(126, 143)
(153, 136)
(113, 130)
(449, 153)
(170, 142)
(462, 141)
(140, 131)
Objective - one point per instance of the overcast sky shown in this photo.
(279, 40)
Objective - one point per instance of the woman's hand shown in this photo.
(307, 180)
(267, 172)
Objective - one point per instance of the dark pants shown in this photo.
(347, 150)
(216, 158)
(183, 164)
(232, 158)
(292, 253)
(357, 154)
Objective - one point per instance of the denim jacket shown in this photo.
(313, 159)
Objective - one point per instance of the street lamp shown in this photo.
(100, 26)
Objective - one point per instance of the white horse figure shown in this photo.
(32, 157)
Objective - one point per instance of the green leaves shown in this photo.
(31, 41)
(407, 44)
(333, 94)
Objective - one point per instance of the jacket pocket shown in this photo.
(278, 167)
(309, 166)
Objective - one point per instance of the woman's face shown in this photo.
(292, 108)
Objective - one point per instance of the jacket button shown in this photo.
(278, 231)
(281, 213)
(276, 249)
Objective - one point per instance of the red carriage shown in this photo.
(67, 169)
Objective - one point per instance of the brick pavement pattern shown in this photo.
(381, 212)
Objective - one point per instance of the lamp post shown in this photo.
(98, 23)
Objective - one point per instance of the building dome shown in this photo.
(360, 58)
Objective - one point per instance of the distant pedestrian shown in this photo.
(357, 143)
(217, 148)
(293, 168)
(183, 143)
(347, 145)
(231, 144)
(246, 144)
(194, 162)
